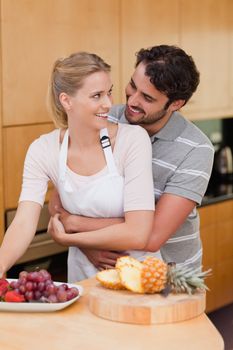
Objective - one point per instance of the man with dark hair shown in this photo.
(164, 79)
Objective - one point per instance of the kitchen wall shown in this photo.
(218, 130)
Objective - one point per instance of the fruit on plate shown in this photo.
(13, 297)
(36, 286)
(153, 276)
(4, 285)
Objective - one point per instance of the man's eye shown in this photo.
(148, 98)
(110, 93)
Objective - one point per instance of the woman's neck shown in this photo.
(81, 137)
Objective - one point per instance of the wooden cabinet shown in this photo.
(145, 23)
(231, 53)
(205, 33)
(16, 141)
(1, 169)
(203, 28)
(217, 239)
(35, 33)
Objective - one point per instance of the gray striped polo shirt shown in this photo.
(182, 165)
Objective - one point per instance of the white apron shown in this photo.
(101, 197)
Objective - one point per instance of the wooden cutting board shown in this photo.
(128, 307)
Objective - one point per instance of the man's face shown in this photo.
(145, 104)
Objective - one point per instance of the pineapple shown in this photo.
(152, 276)
(110, 279)
(186, 279)
(157, 275)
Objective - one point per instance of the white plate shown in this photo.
(40, 307)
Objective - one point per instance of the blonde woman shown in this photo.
(100, 169)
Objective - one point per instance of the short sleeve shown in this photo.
(138, 191)
(191, 177)
(35, 174)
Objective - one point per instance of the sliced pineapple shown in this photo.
(130, 273)
(130, 277)
(129, 261)
(110, 279)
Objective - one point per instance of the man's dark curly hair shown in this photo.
(170, 70)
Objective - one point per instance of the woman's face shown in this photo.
(91, 103)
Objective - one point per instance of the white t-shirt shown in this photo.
(132, 154)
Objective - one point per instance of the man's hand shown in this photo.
(103, 259)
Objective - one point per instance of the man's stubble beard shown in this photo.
(149, 120)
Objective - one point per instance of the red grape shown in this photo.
(38, 285)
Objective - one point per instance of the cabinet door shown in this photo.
(1, 166)
(231, 52)
(16, 141)
(224, 292)
(224, 239)
(217, 239)
(35, 33)
(145, 23)
(208, 236)
(224, 253)
(205, 31)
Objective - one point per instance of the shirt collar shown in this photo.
(172, 129)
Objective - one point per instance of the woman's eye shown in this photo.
(132, 85)
(96, 96)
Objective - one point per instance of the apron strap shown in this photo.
(106, 145)
(63, 156)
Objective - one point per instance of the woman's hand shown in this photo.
(69, 221)
(55, 207)
(57, 230)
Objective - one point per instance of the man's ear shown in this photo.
(176, 105)
(65, 101)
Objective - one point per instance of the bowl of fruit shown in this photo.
(37, 292)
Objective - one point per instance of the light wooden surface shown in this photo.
(35, 33)
(217, 239)
(125, 306)
(1, 161)
(16, 141)
(77, 328)
(143, 24)
(203, 24)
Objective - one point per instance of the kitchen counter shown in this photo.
(77, 328)
(218, 191)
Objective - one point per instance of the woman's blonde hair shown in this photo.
(67, 76)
